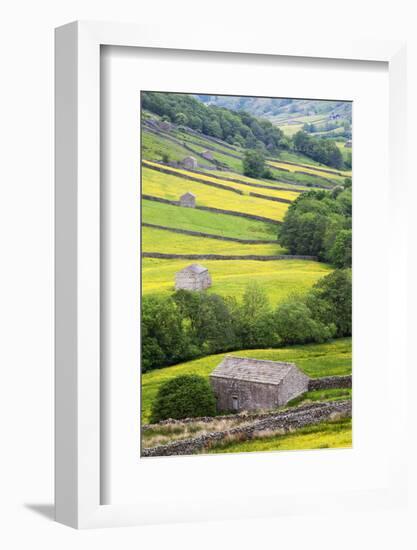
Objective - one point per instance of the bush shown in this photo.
(184, 396)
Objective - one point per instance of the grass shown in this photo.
(160, 240)
(326, 435)
(334, 394)
(314, 171)
(206, 222)
(277, 193)
(230, 277)
(289, 186)
(316, 360)
(153, 148)
(172, 187)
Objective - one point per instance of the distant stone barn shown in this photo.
(241, 383)
(189, 162)
(193, 277)
(188, 200)
(208, 155)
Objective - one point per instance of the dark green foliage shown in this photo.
(320, 150)
(254, 164)
(164, 338)
(295, 324)
(208, 320)
(330, 301)
(233, 127)
(255, 319)
(340, 254)
(185, 396)
(318, 223)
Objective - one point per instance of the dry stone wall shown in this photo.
(166, 256)
(330, 382)
(287, 420)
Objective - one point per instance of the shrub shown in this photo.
(184, 396)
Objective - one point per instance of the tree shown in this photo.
(295, 324)
(340, 254)
(181, 118)
(164, 337)
(330, 301)
(253, 164)
(185, 396)
(255, 320)
(313, 221)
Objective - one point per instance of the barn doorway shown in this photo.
(235, 403)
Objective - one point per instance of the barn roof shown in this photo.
(187, 195)
(195, 268)
(252, 370)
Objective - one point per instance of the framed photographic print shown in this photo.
(224, 330)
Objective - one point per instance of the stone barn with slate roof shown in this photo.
(189, 162)
(188, 200)
(193, 277)
(241, 383)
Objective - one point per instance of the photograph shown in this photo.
(246, 274)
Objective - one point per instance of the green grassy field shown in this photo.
(312, 170)
(278, 278)
(344, 150)
(160, 240)
(153, 148)
(327, 435)
(289, 186)
(172, 187)
(316, 360)
(276, 193)
(207, 222)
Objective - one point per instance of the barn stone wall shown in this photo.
(293, 385)
(187, 280)
(250, 395)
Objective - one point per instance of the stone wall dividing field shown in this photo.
(212, 209)
(330, 382)
(207, 235)
(166, 256)
(287, 420)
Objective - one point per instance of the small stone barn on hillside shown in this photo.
(189, 162)
(240, 383)
(188, 200)
(193, 277)
(208, 155)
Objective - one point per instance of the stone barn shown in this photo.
(348, 144)
(193, 277)
(241, 383)
(208, 155)
(188, 200)
(189, 162)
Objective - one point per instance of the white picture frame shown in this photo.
(78, 404)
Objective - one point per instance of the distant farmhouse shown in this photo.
(348, 143)
(193, 277)
(208, 155)
(188, 200)
(189, 162)
(240, 383)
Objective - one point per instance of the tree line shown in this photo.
(321, 150)
(319, 223)
(187, 325)
(237, 128)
